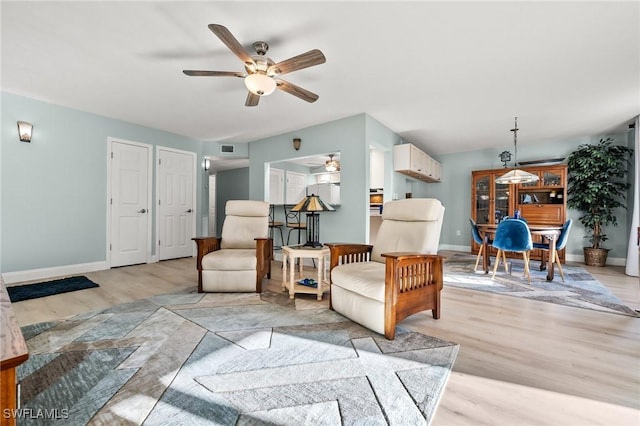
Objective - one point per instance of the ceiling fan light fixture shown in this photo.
(332, 165)
(260, 84)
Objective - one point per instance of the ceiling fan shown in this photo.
(262, 74)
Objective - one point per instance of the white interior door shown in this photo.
(176, 224)
(129, 202)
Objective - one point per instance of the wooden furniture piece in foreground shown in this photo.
(289, 280)
(237, 261)
(378, 286)
(549, 232)
(13, 352)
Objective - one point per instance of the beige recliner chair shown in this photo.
(378, 286)
(238, 260)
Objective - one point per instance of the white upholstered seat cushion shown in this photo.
(364, 278)
(230, 260)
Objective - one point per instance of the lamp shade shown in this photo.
(312, 203)
(516, 176)
(260, 84)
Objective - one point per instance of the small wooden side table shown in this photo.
(289, 281)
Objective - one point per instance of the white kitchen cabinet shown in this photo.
(328, 192)
(296, 184)
(411, 161)
(328, 177)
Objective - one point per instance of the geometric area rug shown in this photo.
(580, 289)
(228, 359)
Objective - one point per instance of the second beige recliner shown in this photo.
(238, 260)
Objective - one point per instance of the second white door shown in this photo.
(175, 203)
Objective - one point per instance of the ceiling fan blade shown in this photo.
(252, 100)
(304, 60)
(197, 73)
(231, 42)
(298, 91)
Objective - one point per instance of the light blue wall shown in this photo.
(455, 192)
(382, 138)
(348, 222)
(54, 189)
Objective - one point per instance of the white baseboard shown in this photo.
(452, 247)
(54, 271)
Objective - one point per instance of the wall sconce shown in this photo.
(24, 131)
(206, 164)
(296, 143)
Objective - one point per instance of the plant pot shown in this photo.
(595, 256)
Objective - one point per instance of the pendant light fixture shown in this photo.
(516, 176)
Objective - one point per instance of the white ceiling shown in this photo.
(448, 76)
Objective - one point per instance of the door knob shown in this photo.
(142, 211)
(189, 211)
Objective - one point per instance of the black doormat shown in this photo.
(49, 288)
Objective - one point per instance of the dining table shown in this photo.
(549, 232)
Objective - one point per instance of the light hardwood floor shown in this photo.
(521, 362)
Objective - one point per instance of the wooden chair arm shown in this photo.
(413, 283)
(264, 250)
(342, 253)
(205, 245)
(409, 271)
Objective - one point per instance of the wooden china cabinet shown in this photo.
(541, 202)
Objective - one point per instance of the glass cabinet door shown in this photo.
(501, 202)
(552, 178)
(483, 200)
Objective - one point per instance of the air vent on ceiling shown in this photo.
(229, 149)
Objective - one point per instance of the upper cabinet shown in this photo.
(333, 177)
(413, 162)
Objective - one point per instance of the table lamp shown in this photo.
(311, 205)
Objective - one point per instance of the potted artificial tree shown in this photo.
(597, 187)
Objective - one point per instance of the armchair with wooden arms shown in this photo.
(238, 260)
(378, 286)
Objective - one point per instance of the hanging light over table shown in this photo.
(516, 176)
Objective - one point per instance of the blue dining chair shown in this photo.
(475, 233)
(561, 242)
(512, 235)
